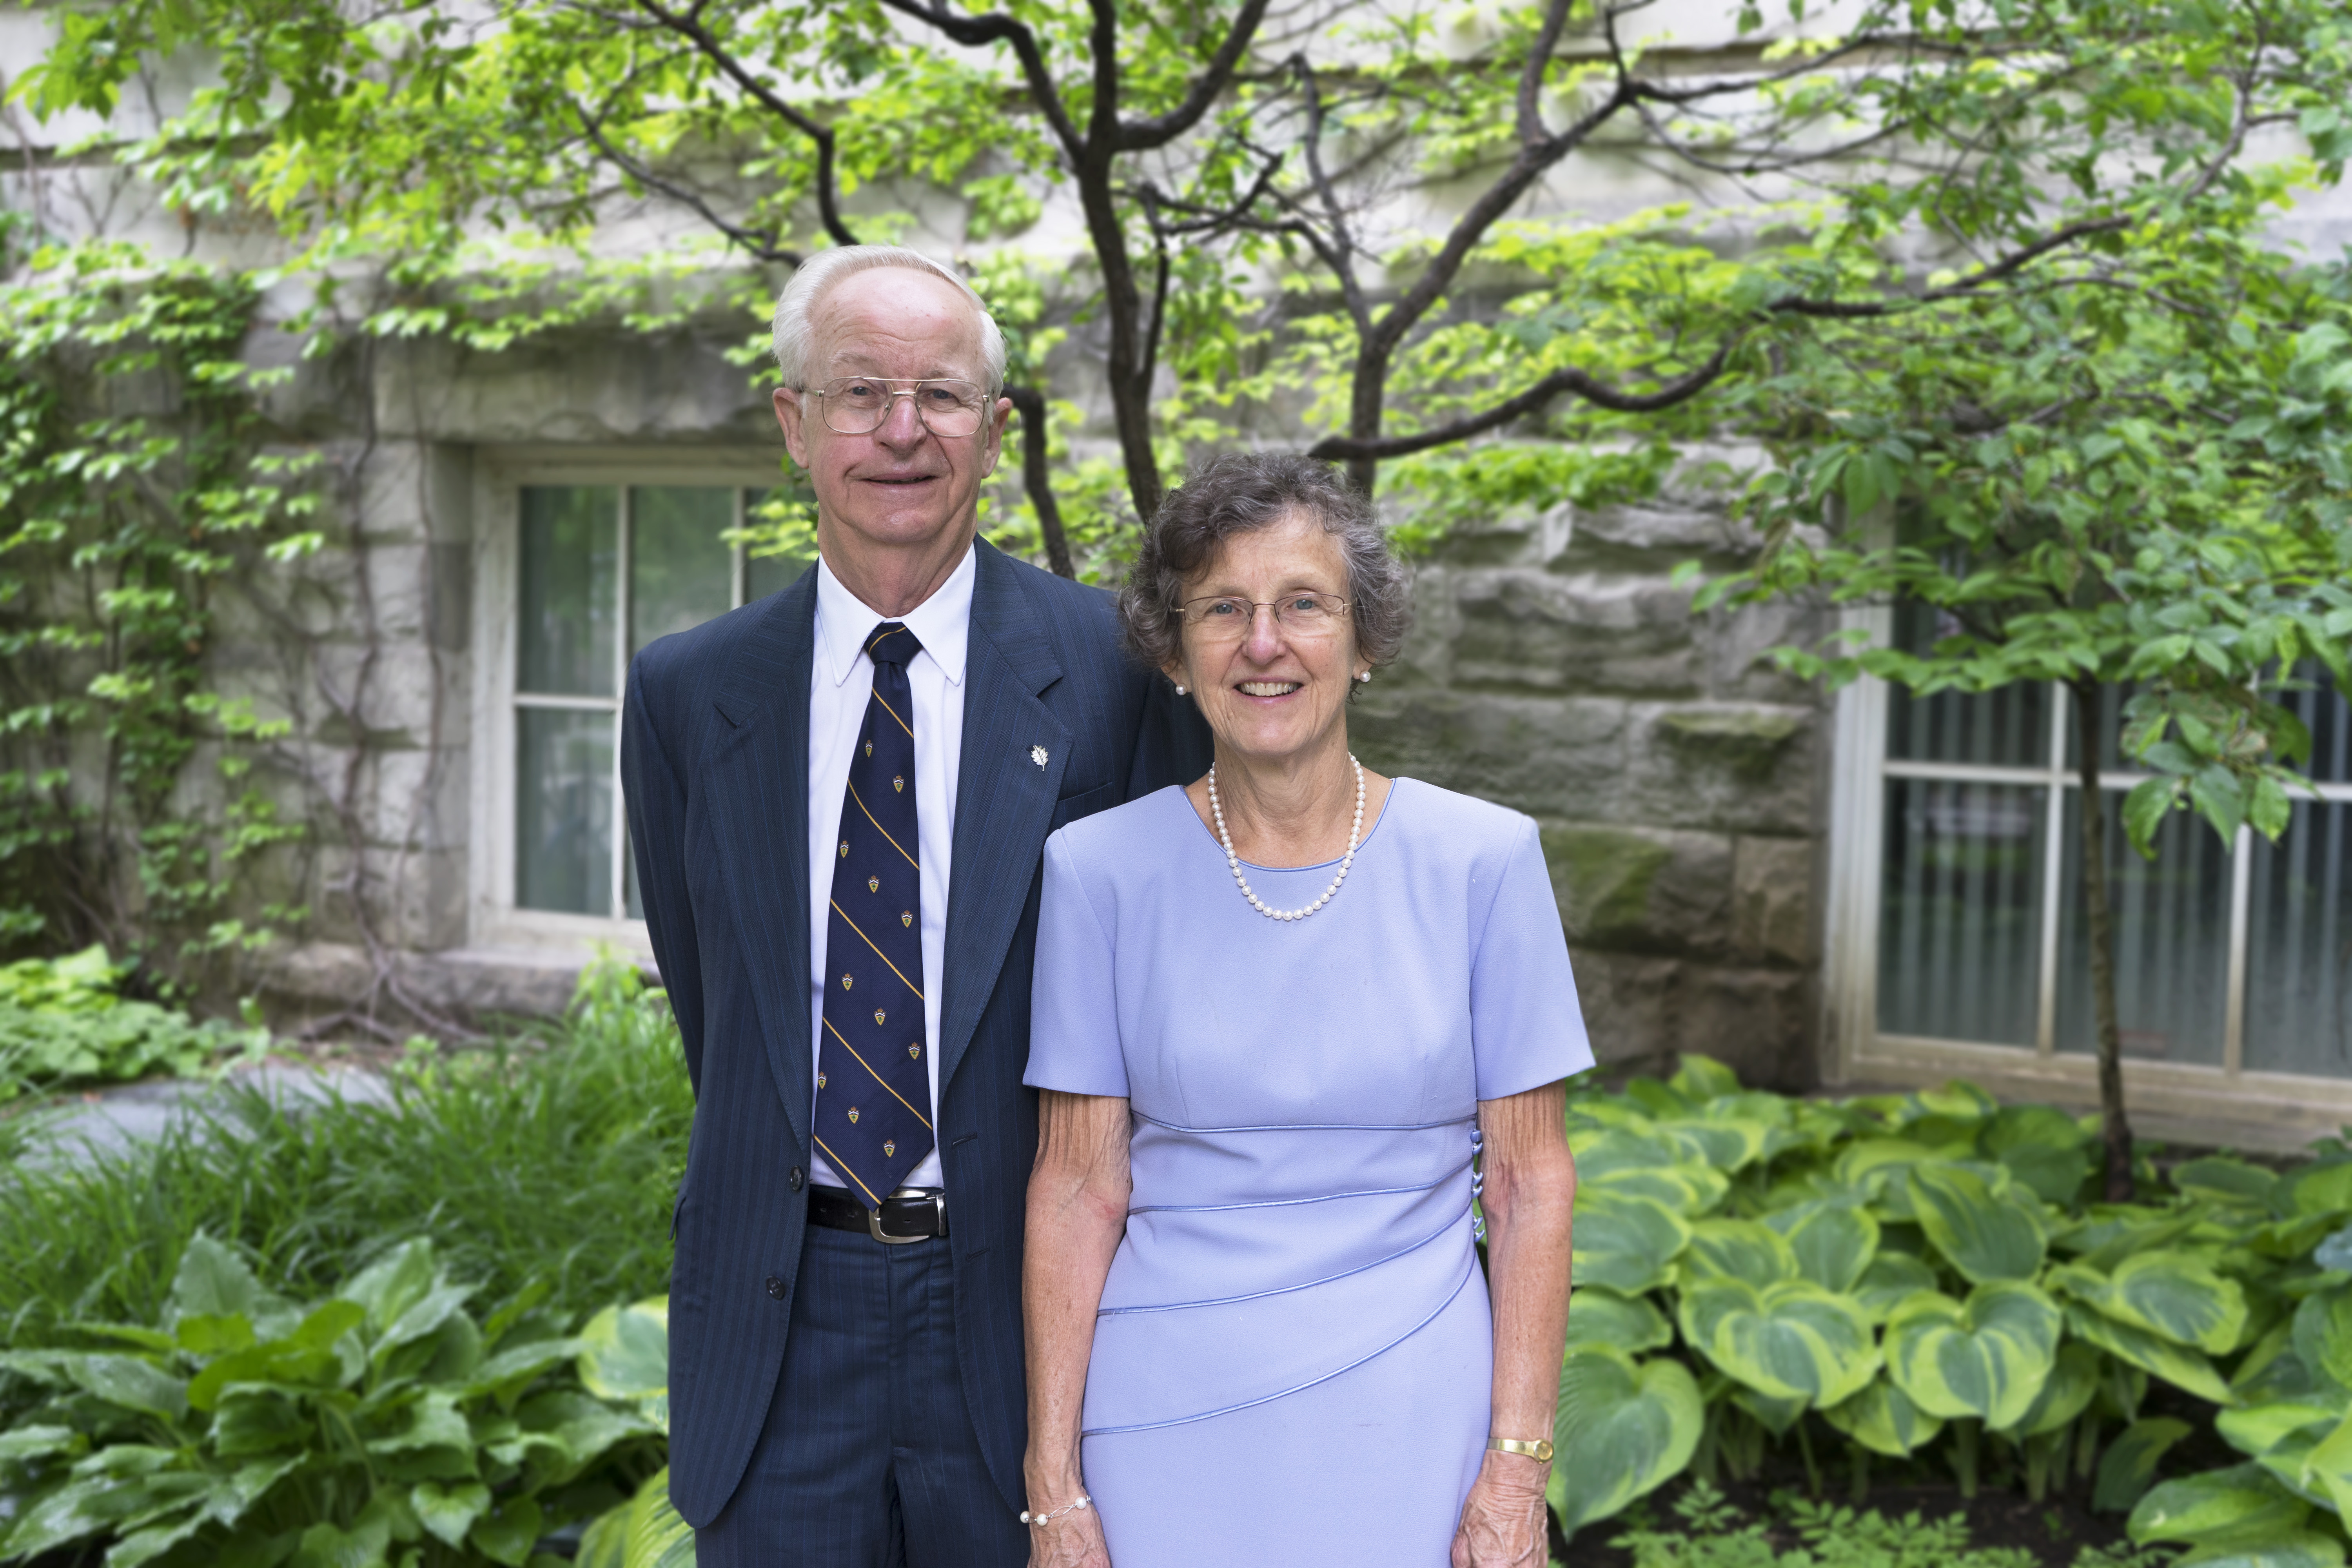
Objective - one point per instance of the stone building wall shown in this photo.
(1555, 668)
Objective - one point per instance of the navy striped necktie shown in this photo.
(872, 1090)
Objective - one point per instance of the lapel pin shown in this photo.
(1037, 755)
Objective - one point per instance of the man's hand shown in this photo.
(1503, 1521)
(1073, 1540)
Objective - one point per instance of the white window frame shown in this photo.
(2165, 1099)
(500, 476)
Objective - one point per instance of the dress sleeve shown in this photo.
(1074, 1004)
(1526, 1028)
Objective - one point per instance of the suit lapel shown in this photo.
(758, 795)
(1004, 794)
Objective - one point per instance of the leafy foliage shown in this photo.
(383, 1424)
(61, 1024)
(132, 485)
(1928, 1276)
(552, 1159)
(1715, 1534)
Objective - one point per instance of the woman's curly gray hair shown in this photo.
(1240, 493)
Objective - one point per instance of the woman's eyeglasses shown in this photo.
(1229, 618)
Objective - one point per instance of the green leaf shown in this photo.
(1790, 1339)
(1985, 1234)
(2239, 1504)
(1985, 1357)
(1891, 1279)
(448, 1513)
(505, 1534)
(1728, 1144)
(2327, 1469)
(2128, 1466)
(39, 1443)
(624, 1355)
(393, 1284)
(2224, 1180)
(1622, 1431)
(1737, 1249)
(1883, 1419)
(1626, 1244)
(2255, 1430)
(2293, 1548)
(133, 1383)
(2065, 1394)
(2175, 1294)
(212, 1281)
(2134, 1346)
(1628, 1323)
(2145, 809)
(2323, 1335)
(1834, 1242)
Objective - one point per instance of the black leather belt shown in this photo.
(917, 1214)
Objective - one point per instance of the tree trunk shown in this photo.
(1038, 480)
(2114, 1125)
(1129, 378)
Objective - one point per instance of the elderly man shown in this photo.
(838, 797)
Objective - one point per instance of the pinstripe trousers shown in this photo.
(869, 1457)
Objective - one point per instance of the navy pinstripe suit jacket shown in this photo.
(714, 761)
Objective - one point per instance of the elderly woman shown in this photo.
(1282, 1018)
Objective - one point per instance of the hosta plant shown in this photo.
(1927, 1277)
(385, 1425)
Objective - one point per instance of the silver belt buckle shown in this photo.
(939, 1202)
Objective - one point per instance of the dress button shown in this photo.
(794, 1178)
(775, 1288)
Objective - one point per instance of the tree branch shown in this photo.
(764, 248)
(1531, 74)
(1037, 482)
(688, 25)
(1139, 135)
(998, 29)
(1682, 389)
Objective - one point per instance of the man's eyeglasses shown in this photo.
(1229, 620)
(856, 405)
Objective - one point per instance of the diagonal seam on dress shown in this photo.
(1292, 1203)
(1314, 1126)
(1443, 1230)
(1472, 1268)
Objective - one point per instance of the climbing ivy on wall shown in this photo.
(136, 485)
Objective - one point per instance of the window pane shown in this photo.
(2299, 943)
(564, 810)
(1961, 910)
(2008, 728)
(2172, 920)
(571, 546)
(681, 568)
(766, 574)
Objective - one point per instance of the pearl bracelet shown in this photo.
(1046, 1515)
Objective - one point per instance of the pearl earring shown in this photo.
(1363, 675)
(1180, 690)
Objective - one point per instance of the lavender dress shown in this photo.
(1294, 1358)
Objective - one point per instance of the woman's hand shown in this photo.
(1073, 1540)
(1503, 1522)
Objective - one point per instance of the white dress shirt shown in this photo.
(841, 680)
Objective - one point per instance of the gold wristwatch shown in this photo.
(1540, 1450)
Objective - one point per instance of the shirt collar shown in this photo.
(942, 623)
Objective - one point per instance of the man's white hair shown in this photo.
(826, 267)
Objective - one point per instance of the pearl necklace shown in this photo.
(1355, 836)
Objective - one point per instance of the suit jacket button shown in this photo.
(794, 1178)
(775, 1288)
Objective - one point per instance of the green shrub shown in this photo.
(1924, 1278)
(62, 1024)
(384, 1424)
(553, 1159)
(1713, 1534)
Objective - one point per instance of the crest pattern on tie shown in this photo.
(874, 1103)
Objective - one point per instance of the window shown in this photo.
(588, 573)
(1957, 933)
